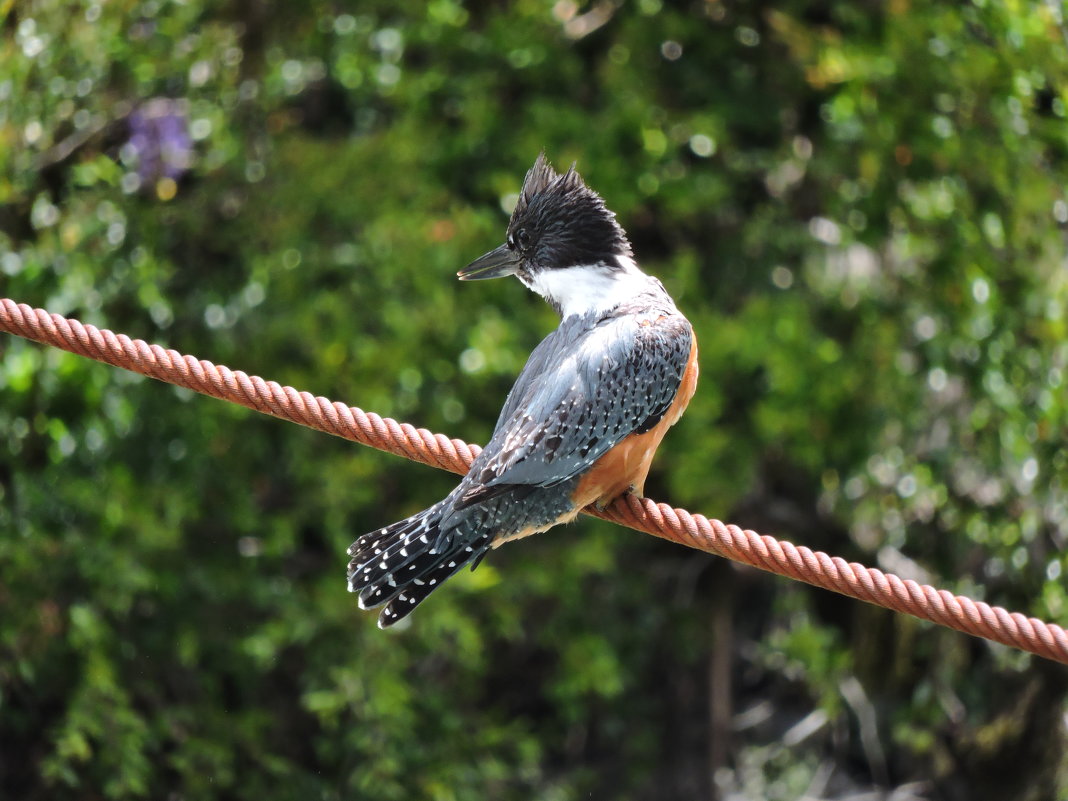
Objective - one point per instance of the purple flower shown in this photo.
(160, 140)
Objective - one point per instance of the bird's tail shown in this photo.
(401, 564)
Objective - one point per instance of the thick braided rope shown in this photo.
(767, 553)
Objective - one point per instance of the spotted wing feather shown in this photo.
(567, 410)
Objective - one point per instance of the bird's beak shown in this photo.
(495, 264)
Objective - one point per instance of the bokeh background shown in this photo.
(860, 205)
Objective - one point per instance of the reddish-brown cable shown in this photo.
(767, 553)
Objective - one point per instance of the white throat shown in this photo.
(590, 288)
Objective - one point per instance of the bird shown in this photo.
(585, 416)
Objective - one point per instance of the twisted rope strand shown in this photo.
(678, 525)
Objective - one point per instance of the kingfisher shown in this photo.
(584, 418)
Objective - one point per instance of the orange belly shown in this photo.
(626, 466)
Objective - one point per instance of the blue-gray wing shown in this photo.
(580, 394)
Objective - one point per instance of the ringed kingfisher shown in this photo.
(585, 416)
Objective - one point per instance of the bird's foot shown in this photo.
(603, 503)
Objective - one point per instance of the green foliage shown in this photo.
(860, 207)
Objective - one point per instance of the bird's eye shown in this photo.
(520, 239)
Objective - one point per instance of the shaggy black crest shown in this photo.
(561, 222)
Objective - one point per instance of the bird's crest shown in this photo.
(541, 178)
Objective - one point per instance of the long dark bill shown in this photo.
(496, 264)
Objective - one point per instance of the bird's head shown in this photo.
(560, 238)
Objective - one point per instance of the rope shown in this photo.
(741, 545)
